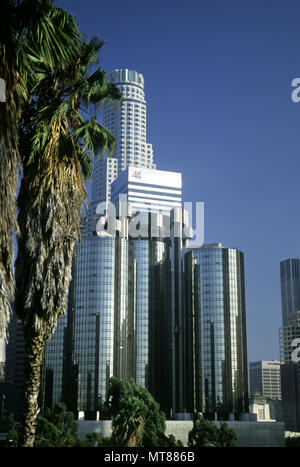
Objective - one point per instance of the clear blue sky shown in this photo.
(218, 87)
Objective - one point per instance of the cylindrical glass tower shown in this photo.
(215, 331)
(103, 334)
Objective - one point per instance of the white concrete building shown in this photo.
(149, 189)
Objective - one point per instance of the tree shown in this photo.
(206, 434)
(30, 30)
(57, 147)
(94, 440)
(226, 436)
(137, 419)
(203, 433)
(57, 428)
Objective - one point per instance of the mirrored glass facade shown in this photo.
(215, 331)
(290, 289)
(288, 333)
(150, 256)
(103, 334)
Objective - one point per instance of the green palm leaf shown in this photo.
(96, 138)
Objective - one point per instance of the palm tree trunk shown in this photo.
(34, 351)
(9, 162)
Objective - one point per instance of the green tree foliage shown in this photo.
(57, 428)
(226, 436)
(206, 434)
(137, 418)
(94, 440)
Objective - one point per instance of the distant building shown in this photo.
(265, 389)
(265, 379)
(260, 406)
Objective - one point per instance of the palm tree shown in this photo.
(58, 145)
(30, 30)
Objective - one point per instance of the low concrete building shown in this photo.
(249, 434)
(260, 407)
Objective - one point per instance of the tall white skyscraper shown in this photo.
(129, 125)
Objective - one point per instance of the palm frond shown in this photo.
(50, 36)
(95, 137)
(43, 122)
(85, 162)
(89, 50)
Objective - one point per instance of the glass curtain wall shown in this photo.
(215, 331)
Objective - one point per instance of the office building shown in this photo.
(105, 171)
(265, 390)
(290, 289)
(290, 372)
(59, 375)
(265, 379)
(159, 193)
(215, 330)
(129, 126)
(287, 336)
(290, 330)
(129, 288)
(149, 189)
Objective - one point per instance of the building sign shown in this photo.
(137, 174)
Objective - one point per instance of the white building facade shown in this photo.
(149, 189)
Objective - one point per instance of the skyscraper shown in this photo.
(215, 331)
(290, 289)
(265, 379)
(159, 253)
(290, 330)
(129, 126)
